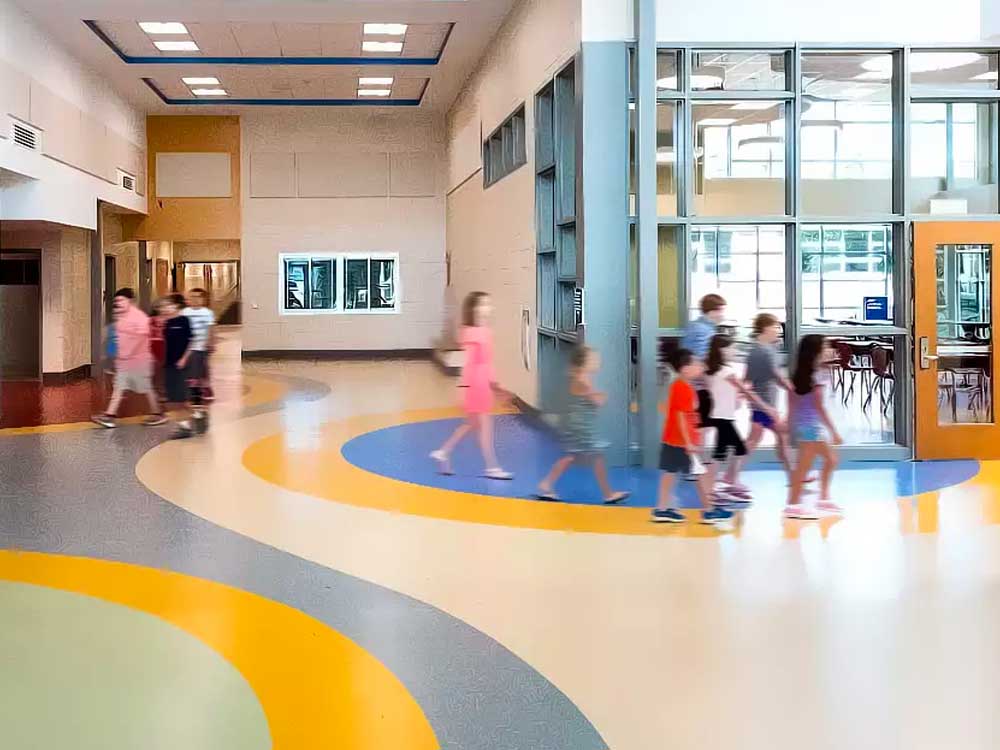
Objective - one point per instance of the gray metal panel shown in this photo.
(645, 18)
(603, 74)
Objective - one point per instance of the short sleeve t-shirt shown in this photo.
(202, 319)
(762, 364)
(682, 405)
(724, 394)
(177, 336)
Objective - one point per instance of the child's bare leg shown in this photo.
(734, 469)
(558, 469)
(663, 501)
(755, 437)
(807, 454)
(826, 472)
(781, 446)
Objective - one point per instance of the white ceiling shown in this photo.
(275, 28)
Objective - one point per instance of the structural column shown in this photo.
(603, 89)
(646, 229)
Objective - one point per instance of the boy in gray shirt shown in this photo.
(765, 378)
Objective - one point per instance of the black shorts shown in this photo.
(197, 365)
(674, 460)
(705, 408)
(726, 439)
(175, 384)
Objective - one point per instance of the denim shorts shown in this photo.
(808, 432)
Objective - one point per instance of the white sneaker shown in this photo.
(444, 464)
(498, 473)
(801, 512)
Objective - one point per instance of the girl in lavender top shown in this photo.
(811, 429)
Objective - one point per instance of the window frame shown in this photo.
(508, 142)
(340, 286)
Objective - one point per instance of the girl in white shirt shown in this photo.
(727, 388)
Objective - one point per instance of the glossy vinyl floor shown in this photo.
(301, 578)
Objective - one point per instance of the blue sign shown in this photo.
(876, 308)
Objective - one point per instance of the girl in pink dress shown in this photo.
(479, 384)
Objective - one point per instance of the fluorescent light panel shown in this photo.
(163, 27)
(182, 46)
(375, 81)
(374, 92)
(203, 81)
(209, 92)
(385, 29)
(369, 45)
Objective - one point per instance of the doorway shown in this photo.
(222, 282)
(110, 287)
(20, 315)
(955, 353)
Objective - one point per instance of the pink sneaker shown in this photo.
(828, 506)
(801, 512)
(738, 489)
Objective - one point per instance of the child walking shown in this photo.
(479, 382)
(678, 454)
(726, 389)
(177, 337)
(765, 378)
(582, 441)
(812, 431)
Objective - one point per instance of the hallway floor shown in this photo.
(301, 578)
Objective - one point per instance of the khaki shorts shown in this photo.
(137, 381)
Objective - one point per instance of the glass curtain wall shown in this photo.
(788, 181)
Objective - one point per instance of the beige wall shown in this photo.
(491, 233)
(206, 251)
(65, 269)
(345, 181)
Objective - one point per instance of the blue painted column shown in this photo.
(646, 230)
(603, 96)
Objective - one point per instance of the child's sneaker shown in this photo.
(828, 506)
(668, 515)
(200, 422)
(716, 515)
(105, 420)
(738, 490)
(801, 512)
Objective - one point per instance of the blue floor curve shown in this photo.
(401, 452)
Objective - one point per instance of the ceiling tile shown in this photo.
(299, 39)
(215, 39)
(408, 88)
(257, 39)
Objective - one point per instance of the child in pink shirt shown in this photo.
(479, 382)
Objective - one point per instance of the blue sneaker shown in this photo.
(670, 515)
(716, 515)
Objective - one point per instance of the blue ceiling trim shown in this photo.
(201, 60)
(225, 101)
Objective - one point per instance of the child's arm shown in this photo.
(750, 395)
(824, 417)
(689, 444)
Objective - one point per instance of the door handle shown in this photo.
(925, 353)
(525, 335)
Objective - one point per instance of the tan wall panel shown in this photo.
(193, 175)
(413, 175)
(209, 250)
(272, 175)
(343, 175)
(15, 96)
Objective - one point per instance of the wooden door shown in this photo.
(955, 352)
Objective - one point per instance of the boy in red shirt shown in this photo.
(680, 442)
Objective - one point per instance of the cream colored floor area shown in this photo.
(863, 639)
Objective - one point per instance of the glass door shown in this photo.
(955, 351)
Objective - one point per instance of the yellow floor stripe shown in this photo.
(318, 689)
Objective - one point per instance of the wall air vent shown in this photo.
(126, 181)
(25, 136)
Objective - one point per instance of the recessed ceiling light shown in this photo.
(163, 27)
(373, 92)
(716, 121)
(990, 76)
(385, 29)
(369, 46)
(205, 81)
(375, 81)
(209, 92)
(185, 46)
(754, 105)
